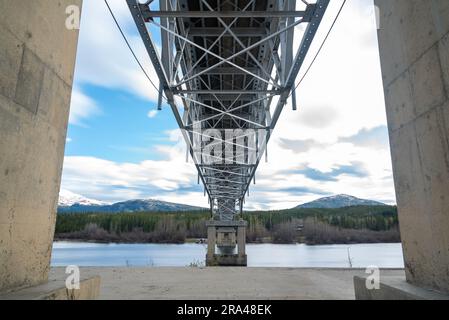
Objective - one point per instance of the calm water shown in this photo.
(260, 255)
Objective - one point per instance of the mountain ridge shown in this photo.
(339, 201)
(70, 202)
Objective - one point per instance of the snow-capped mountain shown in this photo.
(340, 201)
(68, 198)
(70, 202)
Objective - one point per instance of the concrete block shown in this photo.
(5, 250)
(55, 289)
(29, 82)
(414, 33)
(37, 63)
(10, 60)
(230, 260)
(440, 11)
(35, 23)
(415, 229)
(9, 164)
(445, 112)
(54, 101)
(443, 47)
(420, 164)
(394, 288)
(427, 82)
(414, 59)
(399, 101)
(434, 156)
(391, 50)
(418, 27)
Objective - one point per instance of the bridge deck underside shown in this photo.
(227, 186)
(231, 65)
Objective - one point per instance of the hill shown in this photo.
(340, 201)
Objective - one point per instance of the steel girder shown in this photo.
(232, 66)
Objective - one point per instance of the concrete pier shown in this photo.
(55, 289)
(414, 51)
(37, 58)
(223, 238)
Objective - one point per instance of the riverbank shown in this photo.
(63, 238)
(312, 235)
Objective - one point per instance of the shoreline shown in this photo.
(56, 240)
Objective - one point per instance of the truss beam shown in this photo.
(227, 71)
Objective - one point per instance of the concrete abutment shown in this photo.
(37, 59)
(414, 51)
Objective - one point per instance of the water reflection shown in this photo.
(263, 255)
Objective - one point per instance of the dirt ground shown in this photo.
(225, 283)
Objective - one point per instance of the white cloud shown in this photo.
(81, 107)
(152, 114)
(104, 59)
(170, 179)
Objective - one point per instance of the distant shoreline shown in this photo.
(351, 225)
(196, 241)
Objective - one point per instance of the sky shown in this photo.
(119, 147)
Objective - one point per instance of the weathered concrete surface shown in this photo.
(414, 50)
(55, 289)
(394, 288)
(235, 231)
(232, 283)
(37, 57)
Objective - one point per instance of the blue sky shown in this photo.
(122, 131)
(120, 148)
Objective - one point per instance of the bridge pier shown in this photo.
(414, 51)
(37, 59)
(223, 238)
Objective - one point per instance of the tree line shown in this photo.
(314, 226)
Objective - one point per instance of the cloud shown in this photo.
(81, 107)
(318, 117)
(304, 191)
(103, 57)
(355, 169)
(299, 146)
(152, 114)
(170, 179)
(370, 138)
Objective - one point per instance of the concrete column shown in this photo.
(37, 57)
(414, 51)
(241, 240)
(211, 241)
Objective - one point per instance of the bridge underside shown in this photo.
(231, 67)
(36, 73)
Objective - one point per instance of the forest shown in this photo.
(361, 224)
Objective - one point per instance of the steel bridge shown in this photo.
(227, 69)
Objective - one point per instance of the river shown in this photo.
(259, 255)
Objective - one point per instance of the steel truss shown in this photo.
(232, 65)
